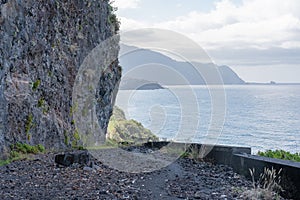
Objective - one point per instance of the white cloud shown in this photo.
(178, 5)
(130, 24)
(291, 45)
(260, 24)
(247, 37)
(125, 4)
(257, 24)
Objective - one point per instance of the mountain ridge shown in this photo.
(154, 66)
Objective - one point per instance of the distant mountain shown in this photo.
(138, 84)
(229, 76)
(156, 67)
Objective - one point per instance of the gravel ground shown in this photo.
(41, 178)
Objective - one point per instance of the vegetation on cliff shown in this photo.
(21, 151)
(121, 130)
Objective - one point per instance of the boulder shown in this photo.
(68, 159)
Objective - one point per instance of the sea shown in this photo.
(258, 116)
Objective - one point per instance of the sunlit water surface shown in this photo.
(258, 116)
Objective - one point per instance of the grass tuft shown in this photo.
(21, 151)
(267, 186)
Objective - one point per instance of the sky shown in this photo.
(258, 39)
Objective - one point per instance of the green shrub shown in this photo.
(76, 135)
(29, 123)
(36, 84)
(41, 148)
(80, 148)
(41, 102)
(76, 139)
(4, 162)
(26, 148)
(112, 18)
(66, 138)
(280, 154)
(14, 154)
(21, 150)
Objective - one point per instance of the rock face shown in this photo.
(43, 44)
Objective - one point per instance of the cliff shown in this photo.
(43, 44)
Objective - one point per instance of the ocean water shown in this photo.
(258, 116)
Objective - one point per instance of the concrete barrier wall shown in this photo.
(290, 174)
(241, 160)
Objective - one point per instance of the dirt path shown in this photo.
(40, 178)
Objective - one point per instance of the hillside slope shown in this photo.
(155, 66)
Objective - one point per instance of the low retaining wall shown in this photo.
(241, 160)
(290, 175)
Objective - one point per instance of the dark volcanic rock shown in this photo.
(43, 44)
(67, 159)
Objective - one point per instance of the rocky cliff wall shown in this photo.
(43, 44)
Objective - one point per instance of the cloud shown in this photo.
(125, 4)
(255, 57)
(178, 5)
(253, 24)
(252, 34)
(128, 24)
